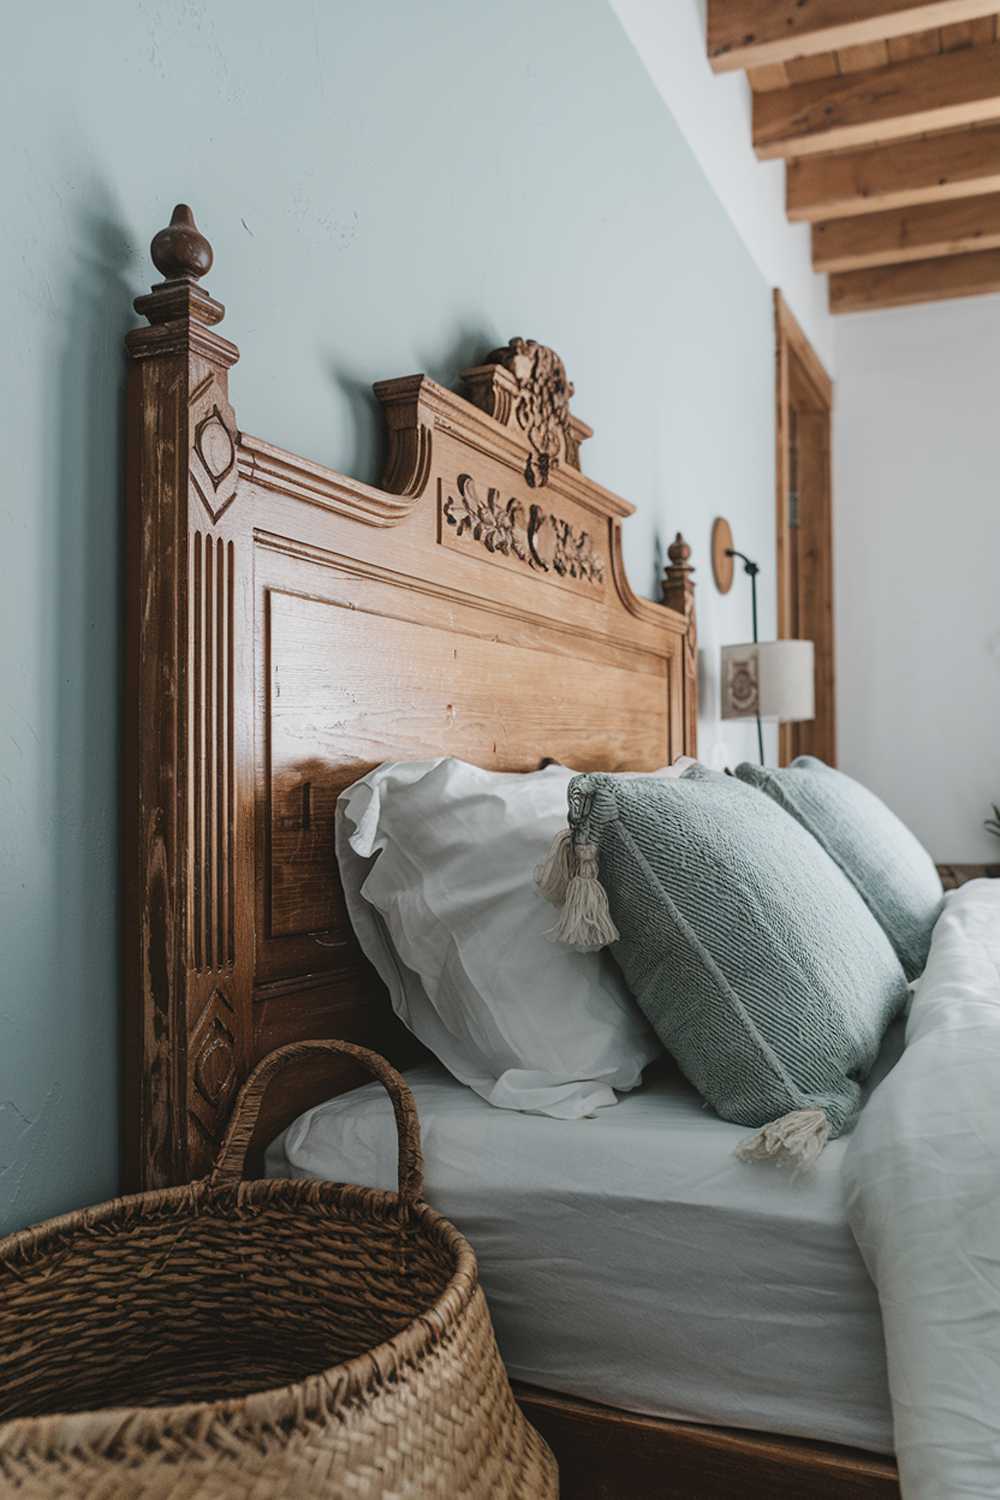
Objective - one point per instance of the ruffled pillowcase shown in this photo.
(756, 961)
(436, 859)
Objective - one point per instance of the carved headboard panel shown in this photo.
(288, 628)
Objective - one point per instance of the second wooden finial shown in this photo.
(678, 578)
(679, 552)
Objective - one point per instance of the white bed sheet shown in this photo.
(632, 1260)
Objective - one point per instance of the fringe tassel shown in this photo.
(553, 876)
(796, 1140)
(586, 922)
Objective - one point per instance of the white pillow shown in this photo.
(437, 860)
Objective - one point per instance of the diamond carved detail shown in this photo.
(214, 1071)
(213, 466)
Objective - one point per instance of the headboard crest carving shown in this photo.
(524, 384)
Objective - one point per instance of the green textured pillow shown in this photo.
(754, 958)
(881, 858)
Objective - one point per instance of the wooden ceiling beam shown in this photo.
(861, 59)
(969, 33)
(928, 169)
(758, 33)
(918, 281)
(863, 109)
(915, 44)
(969, 224)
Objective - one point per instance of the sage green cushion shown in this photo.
(879, 855)
(754, 958)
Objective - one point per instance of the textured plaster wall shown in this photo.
(389, 188)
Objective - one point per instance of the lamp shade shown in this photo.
(774, 679)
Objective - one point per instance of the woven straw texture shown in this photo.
(258, 1340)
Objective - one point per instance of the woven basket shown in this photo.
(258, 1339)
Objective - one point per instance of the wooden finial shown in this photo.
(182, 255)
(181, 252)
(678, 593)
(679, 551)
(678, 577)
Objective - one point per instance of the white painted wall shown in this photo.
(713, 112)
(916, 479)
(917, 538)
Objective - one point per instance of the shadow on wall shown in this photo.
(59, 1079)
(466, 346)
(72, 610)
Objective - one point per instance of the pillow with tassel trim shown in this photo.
(883, 860)
(754, 958)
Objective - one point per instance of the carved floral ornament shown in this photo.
(542, 405)
(540, 539)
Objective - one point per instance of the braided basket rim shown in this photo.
(275, 1413)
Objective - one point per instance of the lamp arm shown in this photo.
(751, 569)
(748, 566)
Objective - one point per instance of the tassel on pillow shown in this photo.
(586, 917)
(569, 878)
(794, 1140)
(554, 874)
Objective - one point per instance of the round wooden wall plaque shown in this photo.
(722, 566)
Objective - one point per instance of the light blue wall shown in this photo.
(389, 187)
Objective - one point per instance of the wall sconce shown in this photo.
(766, 679)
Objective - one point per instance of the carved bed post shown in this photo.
(188, 794)
(678, 593)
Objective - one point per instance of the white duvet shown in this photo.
(923, 1181)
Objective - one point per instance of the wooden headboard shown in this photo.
(288, 629)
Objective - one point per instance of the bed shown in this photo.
(288, 628)
(632, 1260)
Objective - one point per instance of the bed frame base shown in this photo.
(607, 1454)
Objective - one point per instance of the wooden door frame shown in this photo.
(798, 365)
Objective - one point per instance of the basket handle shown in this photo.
(230, 1162)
